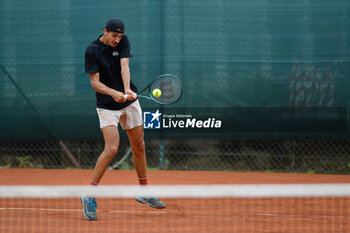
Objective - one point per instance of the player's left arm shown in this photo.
(125, 72)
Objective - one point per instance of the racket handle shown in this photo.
(126, 96)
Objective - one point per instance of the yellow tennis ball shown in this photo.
(156, 92)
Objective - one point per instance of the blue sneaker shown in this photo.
(152, 201)
(89, 207)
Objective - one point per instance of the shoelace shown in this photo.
(92, 204)
(153, 199)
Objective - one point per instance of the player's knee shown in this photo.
(139, 147)
(111, 150)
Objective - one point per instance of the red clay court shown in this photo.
(328, 214)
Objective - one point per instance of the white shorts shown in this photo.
(128, 117)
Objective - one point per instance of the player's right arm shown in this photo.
(103, 89)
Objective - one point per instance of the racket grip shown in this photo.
(126, 96)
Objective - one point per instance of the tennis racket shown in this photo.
(165, 89)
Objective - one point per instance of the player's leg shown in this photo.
(111, 138)
(136, 138)
(132, 122)
(138, 150)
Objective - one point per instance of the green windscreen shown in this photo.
(265, 68)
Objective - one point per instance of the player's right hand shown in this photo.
(119, 97)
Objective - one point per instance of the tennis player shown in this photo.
(107, 63)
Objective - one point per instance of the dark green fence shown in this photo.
(269, 70)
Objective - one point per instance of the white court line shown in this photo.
(41, 209)
(80, 210)
(174, 212)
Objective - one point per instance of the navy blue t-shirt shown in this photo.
(105, 60)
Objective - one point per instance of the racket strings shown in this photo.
(170, 87)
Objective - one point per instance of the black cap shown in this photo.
(115, 25)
